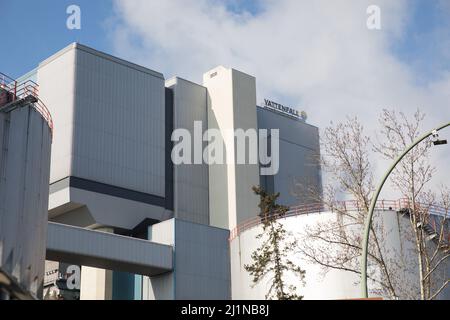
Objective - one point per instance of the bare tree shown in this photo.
(411, 177)
(336, 244)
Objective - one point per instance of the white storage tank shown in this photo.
(398, 248)
(25, 144)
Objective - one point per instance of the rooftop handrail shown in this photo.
(349, 205)
(7, 83)
(4, 79)
(24, 89)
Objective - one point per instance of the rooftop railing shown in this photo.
(435, 212)
(14, 91)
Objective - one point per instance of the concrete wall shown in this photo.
(201, 263)
(191, 190)
(231, 105)
(299, 150)
(25, 144)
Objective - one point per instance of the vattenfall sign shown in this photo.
(269, 104)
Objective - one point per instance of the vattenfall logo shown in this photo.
(286, 110)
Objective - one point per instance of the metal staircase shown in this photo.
(431, 228)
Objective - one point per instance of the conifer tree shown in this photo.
(271, 260)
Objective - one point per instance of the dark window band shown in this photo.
(107, 189)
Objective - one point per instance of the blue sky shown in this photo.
(240, 6)
(315, 55)
(428, 27)
(36, 29)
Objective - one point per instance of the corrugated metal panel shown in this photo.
(201, 266)
(109, 119)
(299, 147)
(24, 196)
(291, 130)
(202, 262)
(107, 251)
(191, 185)
(119, 125)
(36, 191)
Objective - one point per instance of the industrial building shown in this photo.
(111, 172)
(138, 225)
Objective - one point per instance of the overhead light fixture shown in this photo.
(439, 142)
(436, 140)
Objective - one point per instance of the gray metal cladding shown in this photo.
(291, 130)
(191, 181)
(119, 118)
(296, 166)
(108, 251)
(299, 147)
(109, 119)
(25, 170)
(202, 262)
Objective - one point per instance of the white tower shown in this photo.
(231, 106)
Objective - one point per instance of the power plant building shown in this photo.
(111, 160)
(139, 225)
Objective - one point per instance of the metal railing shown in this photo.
(7, 82)
(350, 206)
(17, 91)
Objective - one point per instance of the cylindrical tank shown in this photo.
(397, 246)
(25, 144)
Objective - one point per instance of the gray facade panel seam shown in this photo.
(102, 188)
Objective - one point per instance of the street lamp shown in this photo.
(436, 140)
(365, 244)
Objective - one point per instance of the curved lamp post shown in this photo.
(365, 244)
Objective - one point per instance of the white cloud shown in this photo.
(318, 55)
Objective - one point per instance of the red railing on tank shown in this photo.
(350, 205)
(16, 91)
